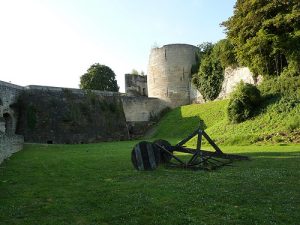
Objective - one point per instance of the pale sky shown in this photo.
(54, 42)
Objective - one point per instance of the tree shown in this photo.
(99, 77)
(224, 50)
(209, 76)
(204, 49)
(134, 71)
(266, 35)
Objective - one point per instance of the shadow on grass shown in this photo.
(174, 125)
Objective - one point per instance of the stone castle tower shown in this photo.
(169, 73)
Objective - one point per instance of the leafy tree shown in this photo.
(210, 77)
(134, 71)
(266, 35)
(99, 77)
(210, 73)
(226, 53)
(203, 49)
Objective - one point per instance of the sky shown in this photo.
(54, 42)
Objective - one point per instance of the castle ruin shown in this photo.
(42, 114)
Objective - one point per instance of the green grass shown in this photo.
(96, 184)
(276, 123)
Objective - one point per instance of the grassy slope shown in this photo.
(273, 124)
(96, 184)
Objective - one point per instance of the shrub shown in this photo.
(293, 123)
(283, 86)
(242, 102)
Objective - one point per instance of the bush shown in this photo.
(243, 102)
(282, 86)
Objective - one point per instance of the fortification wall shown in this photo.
(60, 115)
(10, 145)
(8, 115)
(141, 109)
(136, 85)
(141, 113)
(9, 141)
(169, 73)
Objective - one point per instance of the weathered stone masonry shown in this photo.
(9, 141)
(60, 115)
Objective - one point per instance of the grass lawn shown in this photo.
(96, 184)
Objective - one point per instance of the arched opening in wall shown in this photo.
(144, 91)
(8, 124)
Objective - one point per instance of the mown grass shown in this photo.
(274, 123)
(96, 184)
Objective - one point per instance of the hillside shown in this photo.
(274, 123)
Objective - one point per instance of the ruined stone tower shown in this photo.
(169, 73)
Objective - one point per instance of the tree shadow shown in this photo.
(174, 125)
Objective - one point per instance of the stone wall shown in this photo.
(139, 109)
(8, 115)
(136, 85)
(10, 145)
(142, 112)
(169, 73)
(60, 115)
(9, 141)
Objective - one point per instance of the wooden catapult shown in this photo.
(148, 155)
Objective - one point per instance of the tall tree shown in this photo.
(266, 35)
(99, 77)
(209, 76)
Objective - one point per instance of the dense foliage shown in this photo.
(212, 59)
(243, 102)
(266, 35)
(99, 77)
(281, 86)
(203, 49)
(226, 53)
(210, 77)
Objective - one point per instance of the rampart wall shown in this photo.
(63, 115)
(141, 112)
(9, 141)
(9, 145)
